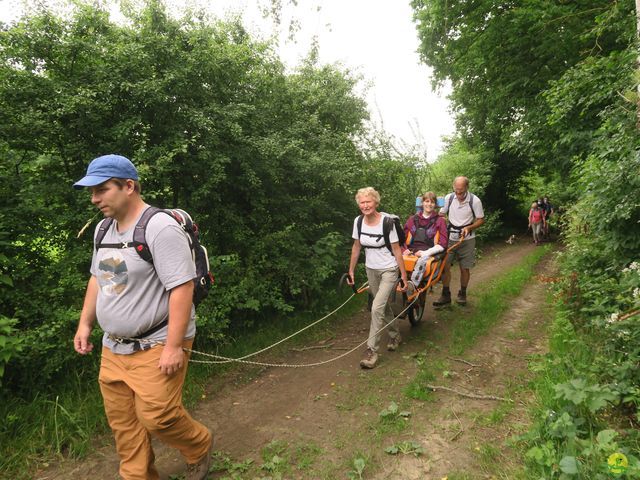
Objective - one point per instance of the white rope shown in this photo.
(222, 359)
(228, 360)
(241, 359)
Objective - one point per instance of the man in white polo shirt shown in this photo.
(465, 214)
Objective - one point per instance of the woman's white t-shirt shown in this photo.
(376, 258)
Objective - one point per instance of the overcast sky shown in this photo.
(375, 38)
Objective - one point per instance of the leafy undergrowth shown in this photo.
(587, 386)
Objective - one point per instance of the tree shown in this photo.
(500, 57)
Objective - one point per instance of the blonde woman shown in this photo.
(383, 262)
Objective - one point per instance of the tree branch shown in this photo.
(468, 395)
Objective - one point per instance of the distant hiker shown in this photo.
(465, 214)
(147, 314)
(379, 234)
(420, 233)
(548, 212)
(536, 222)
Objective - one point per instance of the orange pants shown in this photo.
(141, 401)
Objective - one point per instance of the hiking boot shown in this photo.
(200, 470)
(462, 298)
(442, 301)
(370, 359)
(394, 343)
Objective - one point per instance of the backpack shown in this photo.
(204, 278)
(388, 222)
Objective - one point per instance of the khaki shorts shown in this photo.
(465, 254)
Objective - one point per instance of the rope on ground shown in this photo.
(468, 395)
(221, 359)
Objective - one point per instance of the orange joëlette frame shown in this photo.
(433, 278)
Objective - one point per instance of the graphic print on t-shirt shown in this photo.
(113, 274)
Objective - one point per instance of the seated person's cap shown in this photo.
(106, 167)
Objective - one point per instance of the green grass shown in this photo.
(39, 431)
(427, 373)
(306, 455)
(494, 301)
(458, 475)
(497, 415)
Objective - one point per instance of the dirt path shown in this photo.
(313, 422)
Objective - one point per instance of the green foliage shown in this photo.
(582, 383)
(407, 447)
(392, 412)
(359, 464)
(591, 397)
(267, 161)
(555, 109)
(223, 462)
(460, 160)
(399, 177)
(10, 344)
(523, 101)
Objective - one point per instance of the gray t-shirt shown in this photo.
(133, 295)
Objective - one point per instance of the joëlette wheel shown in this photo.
(417, 310)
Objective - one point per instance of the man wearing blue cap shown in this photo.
(146, 312)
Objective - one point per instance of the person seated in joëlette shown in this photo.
(426, 235)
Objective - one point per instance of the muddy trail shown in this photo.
(314, 423)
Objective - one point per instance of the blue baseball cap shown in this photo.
(106, 167)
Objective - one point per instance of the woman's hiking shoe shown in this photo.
(394, 343)
(442, 301)
(462, 298)
(200, 470)
(370, 359)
